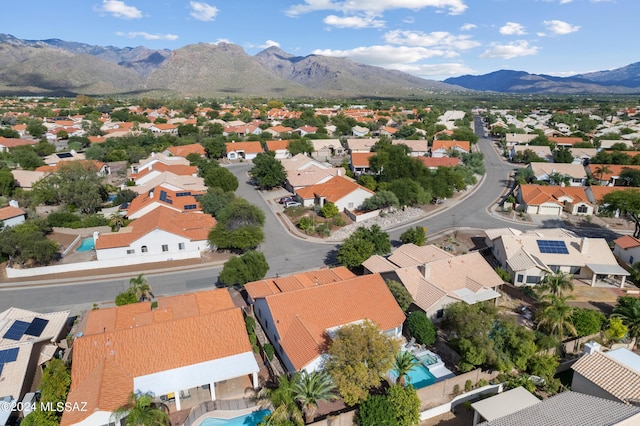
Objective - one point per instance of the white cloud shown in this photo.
(203, 11)
(561, 27)
(222, 40)
(375, 7)
(438, 39)
(269, 43)
(147, 36)
(409, 20)
(119, 9)
(384, 55)
(468, 27)
(356, 22)
(511, 50)
(512, 28)
(434, 70)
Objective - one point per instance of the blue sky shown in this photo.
(433, 39)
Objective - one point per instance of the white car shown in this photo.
(291, 204)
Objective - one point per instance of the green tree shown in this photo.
(76, 183)
(141, 288)
(311, 388)
(367, 181)
(300, 146)
(562, 155)
(628, 310)
(221, 177)
(27, 242)
(329, 210)
(380, 200)
(7, 182)
(415, 235)
(615, 330)
(587, 321)
(403, 364)
(140, 410)
(54, 388)
(357, 359)
(421, 327)
(555, 317)
(215, 200)
(239, 226)
(250, 266)
(376, 410)
(631, 177)
(409, 192)
(26, 157)
(543, 365)
(268, 172)
(36, 128)
(628, 203)
(400, 293)
(285, 411)
(362, 244)
(405, 404)
(556, 283)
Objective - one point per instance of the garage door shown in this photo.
(550, 210)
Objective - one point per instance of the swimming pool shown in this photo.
(419, 376)
(86, 244)
(251, 419)
(428, 358)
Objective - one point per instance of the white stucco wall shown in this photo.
(353, 200)
(154, 241)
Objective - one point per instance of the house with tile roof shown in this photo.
(627, 249)
(7, 143)
(565, 408)
(542, 151)
(12, 215)
(164, 128)
(323, 149)
(596, 193)
(155, 158)
(279, 130)
(188, 341)
(565, 141)
(417, 148)
(359, 131)
(160, 196)
(184, 150)
(169, 180)
(441, 148)
(434, 162)
(613, 375)
(554, 200)
(519, 138)
(529, 256)
(436, 278)
(575, 173)
(102, 169)
(299, 313)
(304, 171)
(582, 155)
(361, 144)
(25, 179)
(342, 191)
(359, 163)
(609, 174)
(28, 340)
(387, 131)
(279, 147)
(243, 150)
(56, 157)
(306, 130)
(159, 235)
(155, 169)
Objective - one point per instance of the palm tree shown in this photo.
(628, 310)
(601, 170)
(555, 317)
(556, 284)
(281, 399)
(405, 361)
(141, 411)
(141, 288)
(310, 388)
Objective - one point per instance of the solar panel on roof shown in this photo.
(36, 327)
(64, 155)
(552, 247)
(8, 355)
(16, 330)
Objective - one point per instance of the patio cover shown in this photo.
(503, 404)
(606, 269)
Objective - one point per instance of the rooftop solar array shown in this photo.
(183, 194)
(552, 247)
(165, 197)
(20, 328)
(8, 355)
(190, 207)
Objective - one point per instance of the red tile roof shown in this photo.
(184, 150)
(252, 147)
(565, 140)
(443, 144)
(277, 145)
(614, 170)
(302, 316)
(361, 159)
(539, 194)
(439, 161)
(170, 199)
(105, 362)
(332, 190)
(269, 286)
(193, 226)
(600, 191)
(10, 212)
(627, 242)
(14, 142)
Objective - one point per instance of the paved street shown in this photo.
(285, 253)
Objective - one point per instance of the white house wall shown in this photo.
(629, 256)
(353, 200)
(154, 241)
(264, 317)
(13, 221)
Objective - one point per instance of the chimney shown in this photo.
(14, 203)
(584, 245)
(425, 270)
(591, 347)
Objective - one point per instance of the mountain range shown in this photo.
(63, 68)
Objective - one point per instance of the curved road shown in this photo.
(285, 253)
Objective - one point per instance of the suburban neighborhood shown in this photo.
(202, 262)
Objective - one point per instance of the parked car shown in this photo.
(285, 200)
(291, 204)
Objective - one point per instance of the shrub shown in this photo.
(305, 223)
(250, 324)
(482, 383)
(468, 386)
(587, 321)
(421, 327)
(338, 221)
(64, 220)
(269, 351)
(456, 390)
(400, 293)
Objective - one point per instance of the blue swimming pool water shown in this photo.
(428, 359)
(419, 376)
(86, 244)
(251, 419)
